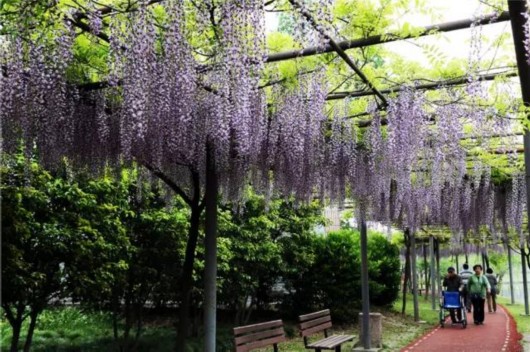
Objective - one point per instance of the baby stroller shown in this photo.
(452, 300)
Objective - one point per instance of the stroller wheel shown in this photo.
(464, 323)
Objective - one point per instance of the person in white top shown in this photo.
(465, 274)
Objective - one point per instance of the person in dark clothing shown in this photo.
(453, 283)
(492, 297)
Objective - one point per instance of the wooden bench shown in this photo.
(321, 321)
(250, 337)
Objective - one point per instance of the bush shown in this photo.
(334, 280)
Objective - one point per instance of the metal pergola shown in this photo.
(515, 14)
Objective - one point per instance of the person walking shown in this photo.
(453, 283)
(465, 274)
(478, 287)
(492, 296)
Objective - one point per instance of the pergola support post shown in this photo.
(512, 298)
(365, 292)
(517, 9)
(414, 276)
(433, 279)
(210, 250)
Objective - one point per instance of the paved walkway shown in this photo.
(498, 334)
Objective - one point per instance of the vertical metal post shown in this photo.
(516, 9)
(437, 271)
(510, 272)
(210, 251)
(365, 292)
(433, 290)
(525, 285)
(414, 275)
(457, 264)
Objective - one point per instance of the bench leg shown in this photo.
(337, 349)
(275, 348)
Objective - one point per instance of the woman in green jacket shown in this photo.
(478, 287)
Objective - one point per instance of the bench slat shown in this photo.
(331, 342)
(256, 327)
(311, 323)
(315, 329)
(314, 315)
(259, 336)
(260, 343)
(324, 343)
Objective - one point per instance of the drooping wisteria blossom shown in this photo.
(161, 106)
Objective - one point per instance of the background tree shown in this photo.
(334, 279)
(58, 240)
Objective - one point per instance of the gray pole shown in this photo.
(365, 292)
(516, 9)
(510, 272)
(525, 284)
(414, 275)
(210, 251)
(457, 265)
(437, 249)
(431, 253)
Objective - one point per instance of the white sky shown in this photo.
(453, 44)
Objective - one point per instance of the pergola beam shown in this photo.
(426, 86)
(339, 51)
(389, 37)
(105, 9)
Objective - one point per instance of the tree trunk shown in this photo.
(248, 311)
(527, 255)
(17, 326)
(187, 279)
(486, 260)
(31, 329)
(115, 313)
(128, 318)
(407, 271)
(139, 319)
(16, 323)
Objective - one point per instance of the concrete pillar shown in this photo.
(376, 333)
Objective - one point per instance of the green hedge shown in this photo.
(334, 278)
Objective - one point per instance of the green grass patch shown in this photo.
(427, 314)
(517, 311)
(71, 329)
(399, 330)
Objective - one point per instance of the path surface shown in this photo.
(498, 334)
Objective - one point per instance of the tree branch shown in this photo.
(168, 181)
(336, 47)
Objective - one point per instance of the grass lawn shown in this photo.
(517, 311)
(399, 331)
(70, 329)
